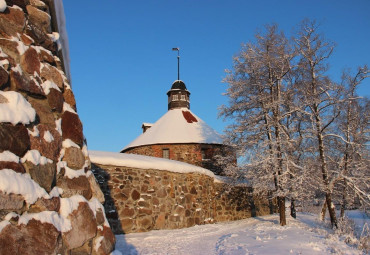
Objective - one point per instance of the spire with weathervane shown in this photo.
(178, 95)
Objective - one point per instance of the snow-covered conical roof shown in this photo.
(178, 125)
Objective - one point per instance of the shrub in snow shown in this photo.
(346, 229)
(347, 232)
(364, 241)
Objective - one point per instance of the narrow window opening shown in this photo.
(206, 153)
(166, 153)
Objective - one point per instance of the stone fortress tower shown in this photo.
(179, 134)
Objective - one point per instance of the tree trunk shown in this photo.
(344, 195)
(293, 211)
(279, 153)
(323, 211)
(346, 161)
(331, 209)
(281, 201)
(324, 171)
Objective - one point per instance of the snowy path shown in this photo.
(261, 235)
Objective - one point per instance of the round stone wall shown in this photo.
(196, 154)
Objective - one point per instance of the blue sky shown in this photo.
(122, 64)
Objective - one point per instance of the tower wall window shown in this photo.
(206, 153)
(175, 97)
(166, 153)
(182, 97)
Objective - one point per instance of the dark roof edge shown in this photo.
(125, 149)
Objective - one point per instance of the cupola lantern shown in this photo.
(178, 96)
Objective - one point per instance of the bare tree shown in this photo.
(256, 92)
(320, 97)
(300, 133)
(353, 170)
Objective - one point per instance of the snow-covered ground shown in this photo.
(260, 235)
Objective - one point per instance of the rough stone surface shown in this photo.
(51, 73)
(84, 224)
(189, 153)
(72, 127)
(11, 202)
(139, 200)
(20, 3)
(74, 158)
(30, 61)
(39, 18)
(40, 37)
(69, 98)
(3, 100)
(22, 82)
(26, 39)
(55, 100)
(39, 4)
(4, 77)
(95, 189)
(44, 175)
(14, 139)
(44, 113)
(7, 64)
(35, 238)
(107, 244)
(43, 204)
(75, 186)
(16, 167)
(26, 47)
(12, 21)
(46, 56)
(84, 249)
(47, 149)
(10, 48)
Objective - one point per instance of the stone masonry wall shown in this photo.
(189, 153)
(138, 200)
(50, 202)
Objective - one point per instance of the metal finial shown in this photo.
(178, 62)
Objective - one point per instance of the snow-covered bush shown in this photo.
(347, 232)
(364, 240)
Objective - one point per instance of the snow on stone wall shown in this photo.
(152, 193)
(50, 202)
